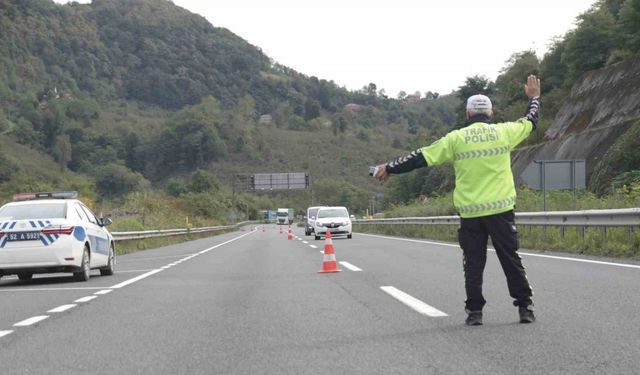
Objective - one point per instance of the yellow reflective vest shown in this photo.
(481, 156)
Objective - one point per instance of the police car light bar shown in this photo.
(46, 195)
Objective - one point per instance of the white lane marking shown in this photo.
(350, 266)
(62, 308)
(137, 278)
(153, 272)
(103, 292)
(409, 240)
(85, 299)
(582, 260)
(47, 289)
(313, 246)
(306, 242)
(413, 302)
(30, 321)
(625, 265)
(5, 333)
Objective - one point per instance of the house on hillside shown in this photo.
(352, 107)
(265, 120)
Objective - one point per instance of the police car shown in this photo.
(53, 232)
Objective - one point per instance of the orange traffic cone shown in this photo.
(290, 236)
(329, 263)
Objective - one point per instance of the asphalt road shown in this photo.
(252, 302)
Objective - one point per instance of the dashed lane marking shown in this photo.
(350, 266)
(413, 302)
(85, 299)
(313, 246)
(153, 272)
(105, 290)
(62, 308)
(31, 321)
(305, 242)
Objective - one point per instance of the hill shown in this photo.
(129, 95)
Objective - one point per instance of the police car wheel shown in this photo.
(111, 264)
(349, 236)
(25, 276)
(85, 270)
(317, 237)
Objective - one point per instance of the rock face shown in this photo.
(601, 107)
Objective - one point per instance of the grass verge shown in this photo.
(131, 246)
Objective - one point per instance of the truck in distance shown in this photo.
(284, 216)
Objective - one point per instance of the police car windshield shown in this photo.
(333, 212)
(34, 211)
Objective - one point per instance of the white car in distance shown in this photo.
(310, 220)
(334, 219)
(53, 232)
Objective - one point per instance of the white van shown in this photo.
(312, 213)
(334, 219)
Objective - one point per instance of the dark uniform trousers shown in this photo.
(473, 236)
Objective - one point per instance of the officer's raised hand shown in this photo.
(532, 87)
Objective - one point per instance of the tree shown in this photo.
(202, 182)
(588, 47)
(402, 95)
(509, 82)
(473, 86)
(627, 31)
(552, 68)
(117, 180)
(311, 109)
(371, 89)
(63, 150)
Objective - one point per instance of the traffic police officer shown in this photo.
(484, 194)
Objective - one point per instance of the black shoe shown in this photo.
(474, 318)
(526, 314)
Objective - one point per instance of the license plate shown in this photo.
(23, 236)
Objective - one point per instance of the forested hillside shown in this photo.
(138, 95)
(141, 100)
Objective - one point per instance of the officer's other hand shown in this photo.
(532, 87)
(382, 174)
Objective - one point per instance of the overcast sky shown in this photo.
(409, 45)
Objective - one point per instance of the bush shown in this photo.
(176, 188)
(117, 180)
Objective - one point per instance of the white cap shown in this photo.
(478, 103)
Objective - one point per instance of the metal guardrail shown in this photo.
(627, 217)
(139, 235)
